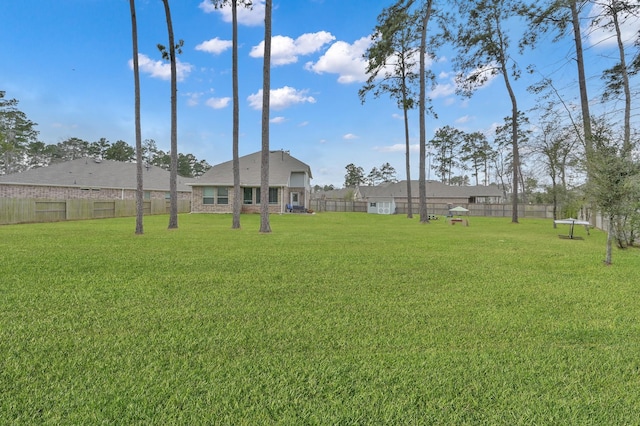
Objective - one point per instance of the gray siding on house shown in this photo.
(286, 175)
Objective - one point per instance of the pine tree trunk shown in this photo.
(136, 78)
(237, 197)
(173, 172)
(265, 226)
(625, 84)
(582, 80)
(407, 156)
(422, 185)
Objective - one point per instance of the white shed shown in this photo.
(381, 205)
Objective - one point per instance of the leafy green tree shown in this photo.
(459, 180)
(70, 149)
(477, 151)
(374, 177)
(265, 226)
(485, 52)
(170, 55)
(447, 143)
(392, 69)
(503, 140)
(614, 185)
(120, 151)
(16, 132)
(189, 166)
(555, 145)
(354, 176)
(99, 148)
(318, 188)
(39, 154)
(388, 173)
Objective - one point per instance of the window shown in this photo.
(223, 195)
(167, 196)
(147, 195)
(273, 195)
(257, 195)
(248, 196)
(372, 204)
(207, 195)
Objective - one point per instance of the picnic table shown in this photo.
(571, 222)
(460, 220)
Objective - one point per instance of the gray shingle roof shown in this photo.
(281, 165)
(434, 190)
(89, 173)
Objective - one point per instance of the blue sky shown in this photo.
(68, 63)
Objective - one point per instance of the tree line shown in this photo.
(21, 150)
(355, 175)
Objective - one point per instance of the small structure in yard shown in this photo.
(572, 222)
(381, 205)
(458, 209)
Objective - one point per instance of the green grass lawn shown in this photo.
(331, 319)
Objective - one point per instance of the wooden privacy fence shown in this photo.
(26, 210)
(542, 211)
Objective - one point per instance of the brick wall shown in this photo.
(74, 193)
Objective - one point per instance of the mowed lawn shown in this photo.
(340, 318)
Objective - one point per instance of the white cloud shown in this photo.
(344, 59)
(218, 103)
(442, 90)
(281, 98)
(214, 46)
(250, 17)
(464, 119)
(350, 136)
(285, 50)
(194, 99)
(160, 69)
(277, 120)
(399, 147)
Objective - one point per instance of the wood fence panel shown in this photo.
(29, 210)
(50, 211)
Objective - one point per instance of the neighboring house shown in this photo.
(289, 184)
(89, 178)
(382, 199)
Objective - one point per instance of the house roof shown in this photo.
(434, 190)
(91, 173)
(281, 165)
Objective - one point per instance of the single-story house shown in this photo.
(289, 184)
(437, 193)
(89, 178)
